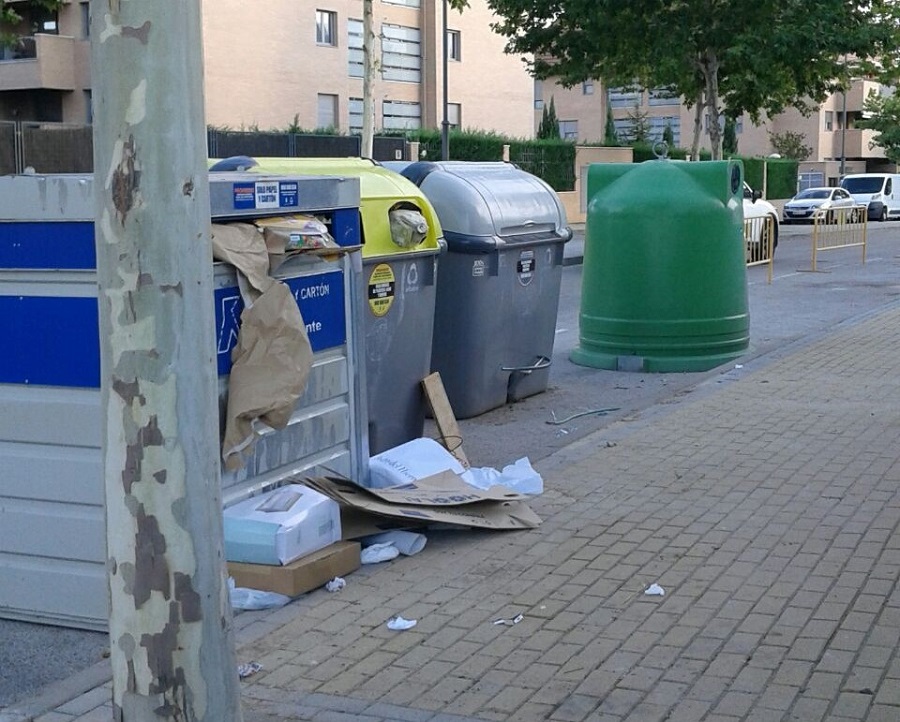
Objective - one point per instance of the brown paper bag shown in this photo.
(271, 364)
(242, 245)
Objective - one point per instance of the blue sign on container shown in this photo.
(265, 195)
(321, 301)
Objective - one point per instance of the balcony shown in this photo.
(856, 144)
(39, 62)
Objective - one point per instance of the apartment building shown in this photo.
(272, 64)
(837, 145)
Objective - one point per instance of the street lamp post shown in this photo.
(445, 123)
(843, 131)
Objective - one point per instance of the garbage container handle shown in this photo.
(542, 363)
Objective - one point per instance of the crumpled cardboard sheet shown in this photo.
(272, 358)
(441, 498)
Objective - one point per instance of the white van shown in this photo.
(879, 191)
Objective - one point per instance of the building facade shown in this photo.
(285, 63)
(837, 145)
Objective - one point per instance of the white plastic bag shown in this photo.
(520, 477)
(244, 598)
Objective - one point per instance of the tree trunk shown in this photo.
(368, 129)
(699, 107)
(710, 65)
(170, 624)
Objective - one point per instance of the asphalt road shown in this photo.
(797, 307)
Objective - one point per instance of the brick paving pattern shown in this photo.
(766, 505)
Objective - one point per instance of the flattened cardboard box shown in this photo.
(302, 575)
(441, 498)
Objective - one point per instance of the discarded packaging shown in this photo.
(407, 542)
(654, 590)
(302, 575)
(376, 553)
(519, 476)
(442, 498)
(509, 622)
(335, 585)
(411, 461)
(250, 599)
(280, 526)
(399, 624)
(248, 669)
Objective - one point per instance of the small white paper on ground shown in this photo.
(654, 590)
(399, 624)
(336, 584)
(510, 622)
(248, 669)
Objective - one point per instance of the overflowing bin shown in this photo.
(52, 527)
(402, 240)
(499, 283)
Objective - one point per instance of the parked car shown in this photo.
(756, 210)
(803, 206)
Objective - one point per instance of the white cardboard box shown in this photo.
(281, 525)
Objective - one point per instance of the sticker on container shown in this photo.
(381, 289)
(477, 268)
(525, 267)
(412, 277)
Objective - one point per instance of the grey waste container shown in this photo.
(498, 284)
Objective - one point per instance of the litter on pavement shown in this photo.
(509, 622)
(399, 624)
(654, 590)
(248, 669)
(335, 585)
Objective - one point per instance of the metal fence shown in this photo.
(68, 148)
(759, 241)
(839, 228)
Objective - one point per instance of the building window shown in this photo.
(587, 87)
(658, 127)
(829, 120)
(89, 107)
(409, 3)
(538, 94)
(355, 121)
(624, 97)
(454, 115)
(568, 129)
(662, 96)
(401, 115)
(355, 49)
(454, 49)
(326, 111)
(85, 20)
(326, 27)
(401, 55)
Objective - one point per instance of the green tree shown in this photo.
(884, 119)
(729, 136)
(12, 14)
(738, 56)
(610, 136)
(790, 145)
(549, 126)
(668, 136)
(639, 125)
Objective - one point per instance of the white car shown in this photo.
(756, 210)
(803, 206)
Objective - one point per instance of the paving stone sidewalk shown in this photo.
(765, 503)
